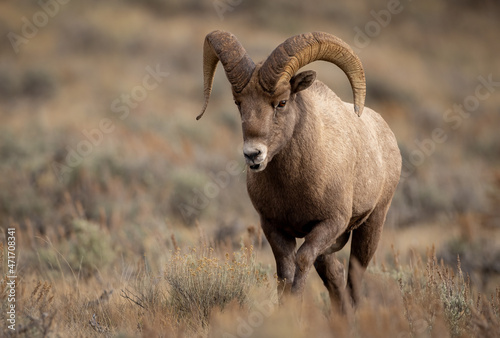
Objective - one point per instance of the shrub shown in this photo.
(92, 247)
(435, 294)
(88, 249)
(188, 199)
(200, 282)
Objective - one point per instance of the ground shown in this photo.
(116, 193)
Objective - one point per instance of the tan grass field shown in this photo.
(123, 225)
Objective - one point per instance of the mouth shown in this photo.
(257, 167)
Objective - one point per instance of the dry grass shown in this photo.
(95, 253)
(202, 293)
(199, 283)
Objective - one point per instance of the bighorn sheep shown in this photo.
(317, 170)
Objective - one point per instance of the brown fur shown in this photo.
(328, 173)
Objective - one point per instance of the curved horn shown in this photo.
(224, 47)
(303, 49)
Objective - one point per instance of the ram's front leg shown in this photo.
(283, 247)
(322, 239)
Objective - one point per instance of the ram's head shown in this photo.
(266, 93)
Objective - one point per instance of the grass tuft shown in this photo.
(201, 282)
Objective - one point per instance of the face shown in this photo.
(268, 120)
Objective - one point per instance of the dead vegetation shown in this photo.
(93, 249)
(201, 291)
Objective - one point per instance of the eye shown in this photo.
(281, 104)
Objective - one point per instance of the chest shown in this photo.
(296, 205)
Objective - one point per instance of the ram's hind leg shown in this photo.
(363, 246)
(331, 272)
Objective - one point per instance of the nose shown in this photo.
(255, 155)
(251, 154)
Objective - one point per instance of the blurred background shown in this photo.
(100, 151)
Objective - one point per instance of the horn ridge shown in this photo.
(224, 47)
(300, 50)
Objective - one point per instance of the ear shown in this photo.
(302, 81)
